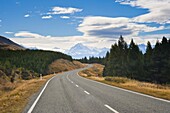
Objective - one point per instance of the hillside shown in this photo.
(64, 65)
(27, 64)
(7, 44)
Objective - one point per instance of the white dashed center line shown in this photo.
(111, 108)
(87, 92)
(77, 86)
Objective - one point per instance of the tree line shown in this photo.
(128, 61)
(92, 59)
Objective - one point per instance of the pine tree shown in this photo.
(135, 61)
(147, 62)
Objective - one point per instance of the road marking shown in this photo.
(35, 102)
(77, 86)
(111, 108)
(68, 78)
(145, 95)
(87, 92)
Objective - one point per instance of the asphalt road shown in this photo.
(70, 93)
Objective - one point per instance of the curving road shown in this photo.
(70, 93)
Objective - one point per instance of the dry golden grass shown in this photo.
(64, 65)
(96, 70)
(157, 90)
(14, 97)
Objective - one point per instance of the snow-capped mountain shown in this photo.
(142, 47)
(79, 51)
(33, 48)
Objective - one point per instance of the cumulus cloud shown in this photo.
(158, 10)
(46, 17)
(65, 17)
(26, 16)
(108, 27)
(64, 10)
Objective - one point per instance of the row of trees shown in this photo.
(34, 60)
(92, 60)
(128, 61)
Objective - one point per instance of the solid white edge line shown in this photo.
(35, 102)
(87, 92)
(111, 108)
(145, 95)
(77, 86)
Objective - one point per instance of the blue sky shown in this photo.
(47, 24)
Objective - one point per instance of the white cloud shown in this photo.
(64, 10)
(49, 43)
(158, 10)
(144, 39)
(113, 27)
(46, 17)
(65, 17)
(7, 32)
(0, 20)
(26, 34)
(27, 15)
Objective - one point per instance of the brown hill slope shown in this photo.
(7, 44)
(64, 65)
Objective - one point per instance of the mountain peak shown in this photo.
(79, 51)
(79, 44)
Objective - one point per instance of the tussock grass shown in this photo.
(117, 80)
(157, 90)
(96, 71)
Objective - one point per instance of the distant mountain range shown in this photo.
(79, 51)
(7, 44)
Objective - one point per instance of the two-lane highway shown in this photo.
(70, 93)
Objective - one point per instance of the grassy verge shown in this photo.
(157, 90)
(14, 97)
